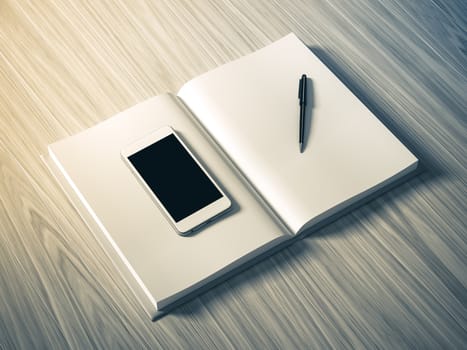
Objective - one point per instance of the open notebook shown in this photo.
(241, 121)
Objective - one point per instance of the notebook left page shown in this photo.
(159, 264)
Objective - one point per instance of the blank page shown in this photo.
(250, 106)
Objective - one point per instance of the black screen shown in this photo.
(174, 177)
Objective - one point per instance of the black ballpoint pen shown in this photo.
(302, 103)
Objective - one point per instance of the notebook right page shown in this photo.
(250, 107)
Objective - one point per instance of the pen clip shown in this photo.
(302, 88)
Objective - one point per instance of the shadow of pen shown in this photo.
(310, 104)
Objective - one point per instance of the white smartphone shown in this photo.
(176, 180)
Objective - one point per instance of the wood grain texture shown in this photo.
(391, 274)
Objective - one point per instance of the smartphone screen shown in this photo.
(174, 177)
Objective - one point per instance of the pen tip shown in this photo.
(301, 147)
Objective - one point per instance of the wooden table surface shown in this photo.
(391, 274)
